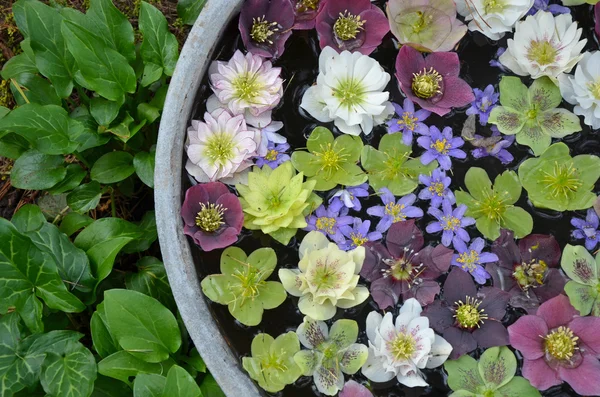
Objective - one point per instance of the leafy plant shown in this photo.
(584, 287)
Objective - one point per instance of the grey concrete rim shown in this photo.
(191, 67)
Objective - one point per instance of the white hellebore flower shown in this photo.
(544, 45)
(583, 89)
(247, 85)
(349, 92)
(493, 18)
(401, 350)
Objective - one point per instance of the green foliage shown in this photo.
(188, 10)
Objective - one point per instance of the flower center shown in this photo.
(485, 104)
(492, 206)
(210, 217)
(245, 87)
(561, 343)
(326, 275)
(305, 5)
(262, 30)
(408, 121)
(402, 269)
(325, 224)
(394, 165)
(395, 211)
(219, 148)
(271, 155)
(348, 26)
(468, 260)
(274, 361)
(563, 180)
(437, 188)
(331, 159)
(542, 52)
(532, 113)
(420, 21)
(469, 315)
(450, 222)
(530, 275)
(249, 282)
(594, 87)
(349, 92)
(426, 83)
(492, 6)
(441, 147)
(403, 346)
(358, 239)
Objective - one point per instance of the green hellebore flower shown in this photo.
(584, 288)
(492, 376)
(560, 182)
(276, 201)
(272, 363)
(493, 206)
(392, 167)
(242, 286)
(531, 114)
(330, 161)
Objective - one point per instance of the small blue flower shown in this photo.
(392, 211)
(497, 149)
(329, 220)
(349, 196)
(543, 5)
(587, 229)
(494, 61)
(276, 154)
(470, 259)
(451, 222)
(436, 188)
(408, 121)
(358, 234)
(441, 146)
(483, 104)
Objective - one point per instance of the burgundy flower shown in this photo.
(266, 25)
(404, 267)
(212, 215)
(306, 12)
(529, 271)
(353, 25)
(559, 346)
(597, 16)
(432, 82)
(468, 318)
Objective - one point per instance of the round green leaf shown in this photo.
(85, 197)
(73, 178)
(37, 171)
(180, 383)
(143, 162)
(71, 373)
(113, 167)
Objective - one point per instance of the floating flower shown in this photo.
(349, 197)
(331, 353)
(355, 389)
(493, 375)
(527, 271)
(560, 182)
(393, 211)
(587, 229)
(408, 121)
(557, 345)
(493, 19)
(351, 25)
(403, 267)
(212, 215)
(265, 26)
(494, 145)
(269, 135)
(276, 154)
(468, 318)
(242, 286)
(306, 13)
(543, 5)
(483, 104)
(451, 222)
(441, 146)
(470, 259)
(436, 188)
(328, 221)
(432, 82)
(272, 362)
(583, 89)
(326, 277)
(349, 92)
(402, 349)
(330, 161)
(584, 286)
(544, 45)
(358, 234)
(246, 85)
(494, 61)
(428, 25)
(277, 201)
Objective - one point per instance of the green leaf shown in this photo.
(518, 220)
(210, 387)
(180, 383)
(159, 45)
(13, 146)
(142, 325)
(544, 94)
(513, 93)
(518, 386)
(109, 387)
(71, 373)
(463, 374)
(478, 183)
(149, 385)
(188, 10)
(579, 265)
(497, 366)
(151, 279)
(104, 111)
(147, 112)
(37, 171)
(149, 234)
(122, 365)
(122, 130)
(143, 162)
(85, 197)
(508, 121)
(195, 361)
(152, 73)
(73, 178)
(112, 167)
(104, 343)
(581, 296)
(17, 65)
(73, 222)
(36, 89)
(112, 26)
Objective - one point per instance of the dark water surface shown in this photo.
(299, 66)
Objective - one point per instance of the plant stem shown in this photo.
(18, 87)
(113, 207)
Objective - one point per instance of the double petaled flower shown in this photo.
(493, 18)
(408, 121)
(441, 146)
(583, 89)
(393, 211)
(470, 259)
(265, 26)
(451, 222)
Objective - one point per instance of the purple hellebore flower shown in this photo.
(494, 61)
(470, 259)
(441, 146)
(587, 229)
(329, 220)
(436, 188)
(265, 26)
(306, 12)
(408, 121)
(349, 196)
(394, 211)
(276, 154)
(542, 5)
(483, 104)
(358, 234)
(497, 148)
(450, 222)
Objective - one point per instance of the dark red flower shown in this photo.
(306, 12)
(212, 215)
(352, 25)
(266, 25)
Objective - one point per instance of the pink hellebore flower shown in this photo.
(355, 389)
(306, 12)
(265, 26)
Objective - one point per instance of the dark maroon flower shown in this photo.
(352, 25)
(597, 15)
(403, 268)
(433, 81)
(468, 318)
(266, 25)
(306, 12)
(212, 215)
(530, 271)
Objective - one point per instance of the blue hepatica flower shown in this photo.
(358, 234)
(470, 259)
(451, 222)
(393, 211)
(543, 5)
(587, 229)
(349, 197)
(494, 61)
(276, 154)
(497, 148)
(483, 104)
(328, 221)
(407, 121)
(441, 146)
(436, 188)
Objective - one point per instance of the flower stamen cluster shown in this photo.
(531, 274)
(348, 26)
(468, 315)
(427, 83)
(262, 29)
(561, 343)
(210, 217)
(563, 180)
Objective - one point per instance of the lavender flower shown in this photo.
(441, 146)
(436, 188)
(349, 197)
(471, 258)
(496, 148)
(494, 61)
(587, 229)
(328, 221)
(358, 234)
(542, 5)
(276, 154)
(269, 134)
(450, 222)
(483, 104)
(394, 211)
(408, 121)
